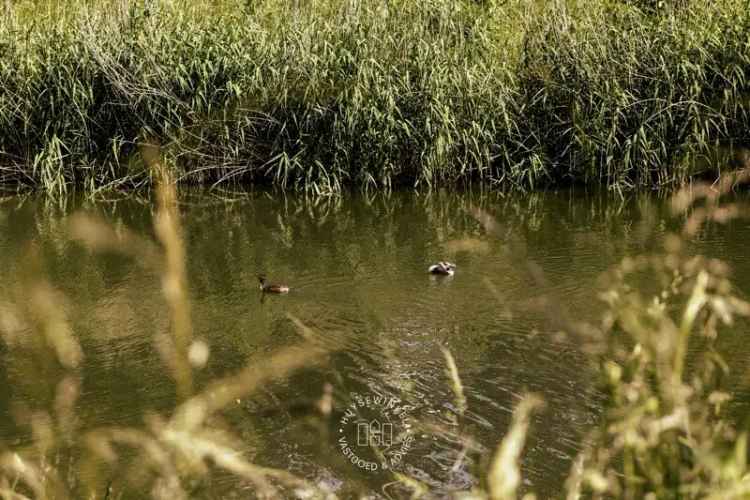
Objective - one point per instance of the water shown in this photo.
(357, 268)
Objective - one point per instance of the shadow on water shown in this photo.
(357, 268)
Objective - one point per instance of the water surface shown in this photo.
(358, 271)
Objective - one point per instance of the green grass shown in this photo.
(324, 95)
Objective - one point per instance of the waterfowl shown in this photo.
(442, 267)
(266, 287)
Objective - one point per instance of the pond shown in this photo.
(357, 268)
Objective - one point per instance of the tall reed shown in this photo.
(319, 96)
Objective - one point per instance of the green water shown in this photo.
(357, 268)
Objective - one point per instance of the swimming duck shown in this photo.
(442, 267)
(266, 287)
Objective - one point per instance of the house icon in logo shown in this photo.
(374, 434)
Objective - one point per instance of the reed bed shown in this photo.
(326, 95)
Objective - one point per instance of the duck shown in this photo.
(266, 287)
(443, 267)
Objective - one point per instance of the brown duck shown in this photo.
(266, 287)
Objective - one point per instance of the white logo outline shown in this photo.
(388, 432)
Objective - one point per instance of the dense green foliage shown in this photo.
(320, 95)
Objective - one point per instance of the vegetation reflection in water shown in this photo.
(138, 356)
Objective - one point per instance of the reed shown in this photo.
(322, 96)
(666, 431)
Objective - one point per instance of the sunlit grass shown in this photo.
(319, 96)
